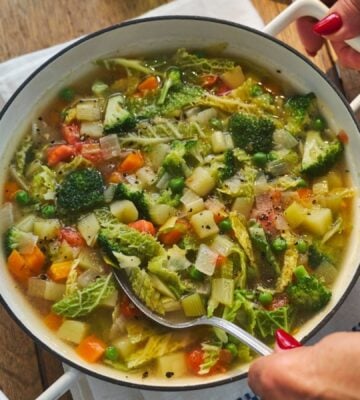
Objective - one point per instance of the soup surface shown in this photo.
(217, 191)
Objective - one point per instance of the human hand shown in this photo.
(329, 370)
(341, 23)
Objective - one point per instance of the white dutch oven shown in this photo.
(168, 34)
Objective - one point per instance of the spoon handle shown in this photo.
(245, 337)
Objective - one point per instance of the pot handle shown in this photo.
(311, 8)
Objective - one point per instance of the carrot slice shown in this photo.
(149, 83)
(132, 163)
(59, 153)
(91, 348)
(59, 271)
(17, 266)
(11, 188)
(35, 260)
(53, 321)
(343, 137)
(143, 226)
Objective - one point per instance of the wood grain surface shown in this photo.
(27, 25)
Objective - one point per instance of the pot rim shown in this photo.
(322, 75)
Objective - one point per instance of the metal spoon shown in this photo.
(175, 321)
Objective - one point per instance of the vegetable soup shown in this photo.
(218, 190)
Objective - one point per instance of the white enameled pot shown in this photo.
(168, 34)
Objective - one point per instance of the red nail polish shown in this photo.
(311, 53)
(328, 25)
(285, 341)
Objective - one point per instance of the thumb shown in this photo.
(342, 21)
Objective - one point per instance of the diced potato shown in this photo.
(146, 176)
(332, 201)
(73, 331)
(243, 205)
(201, 181)
(218, 142)
(124, 346)
(160, 213)
(229, 141)
(193, 305)
(88, 110)
(92, 129)
(204, 224)
(192, 202)
(47, 229)
(158, 153)
(233, 78)
(174, 363)
(47, 290)
(89, 227)
(89, 259)
(334, 179)
(320, 187)
(295, 214)
(169, 224)
(317, 221)
(124, 210)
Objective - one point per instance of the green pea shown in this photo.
(216, 123)
(233, 349)
(319, 124)
(300, 272)
(260, 159)
(265, 298)
(48, 211)
(177, 185)
(272, 156)
(302, 246)
(225, 225)
(22, 197)
(195, 273)
(111, 353)
(279, 244)
(67, 94)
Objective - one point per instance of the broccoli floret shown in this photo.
(172, 79)
(174, 163)
(319, 154)
(228, 170)
(81, 190)
(138, 197)
(117, 118)
(308, 294)
(15, 238)
(301, 108)
(251, 133)
(169, 198)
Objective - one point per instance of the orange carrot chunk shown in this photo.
(149, 83)
(59, 271)
(132, 163)
(11, 188)
(91, 348)
(53, 321)
(35, 260)
(17, 266)
(143, 226)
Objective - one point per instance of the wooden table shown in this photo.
(25, 368)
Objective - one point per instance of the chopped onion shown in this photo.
(27, 242)
(206, 260)
(92, 129)
(42, 133)
(284, 139)
(6, 216)
(222, 245)
(163, 181)
(146, 176)
(192, 202)
(176, 259)
(87, 277)
(18, 178)
(110, 146)
(280, 223)
(261, 185)
(109, 193)
(204, 116)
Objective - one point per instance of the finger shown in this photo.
(347, 56)
(311, 41)
(342, 21)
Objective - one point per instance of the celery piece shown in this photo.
(222, 290)
(193, 305)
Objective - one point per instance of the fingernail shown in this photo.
(311, 53)
(285, 341)
(330, 24)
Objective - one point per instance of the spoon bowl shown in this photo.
(180, 321)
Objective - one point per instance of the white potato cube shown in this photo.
(201, 181)
(47, 229)
(89, 227)
(73, 331)
(204, 224)
(124, 210)
(318, 221)
(192, 202)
